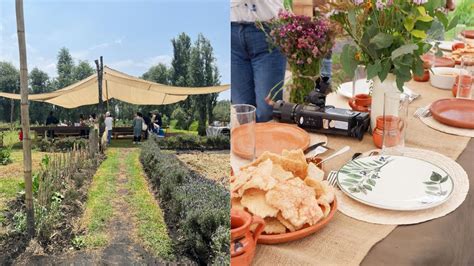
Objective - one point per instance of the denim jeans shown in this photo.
(255, 69)
(109, 136)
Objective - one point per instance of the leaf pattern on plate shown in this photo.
(434, 186)
(361, 177)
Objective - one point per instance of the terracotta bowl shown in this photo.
(439, 61)
(425, 77)
(304, 232)
(360, 102)
(458, 45)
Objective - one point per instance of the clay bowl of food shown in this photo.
(277, 187)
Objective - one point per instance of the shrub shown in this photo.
(222, 111)
(194, 142)
(5, 154)
(196, 208)
(60, 145)
(181, 118)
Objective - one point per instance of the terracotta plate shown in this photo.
(271, 136)
(468, 34)
(454, 112)
(439, 61)
(304, 232)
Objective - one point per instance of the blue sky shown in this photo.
(131, 35)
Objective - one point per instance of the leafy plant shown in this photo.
(5, 156)
(389, 35)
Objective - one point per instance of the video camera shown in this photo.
(317, 117)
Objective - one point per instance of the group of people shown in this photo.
(143, 125)
(151, 123)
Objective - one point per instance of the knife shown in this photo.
(314, 146)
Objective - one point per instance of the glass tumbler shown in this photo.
(394, 122)
(243, 139)
(359, 81)
(458, 32)
(464, 80)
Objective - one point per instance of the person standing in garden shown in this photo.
(108, 126)
(137, 128)
(255, 68)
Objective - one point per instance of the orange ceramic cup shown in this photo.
(243, 241)
(392, 124)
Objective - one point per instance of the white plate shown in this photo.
(395, 182)
(362, 86)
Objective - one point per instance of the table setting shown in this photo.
(334, 174)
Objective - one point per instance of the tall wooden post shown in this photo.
(25, 119)
(100, 75)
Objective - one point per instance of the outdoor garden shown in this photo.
(164, 200)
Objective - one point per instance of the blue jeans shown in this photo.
(255, 69)
(109, 136)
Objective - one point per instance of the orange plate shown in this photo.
(272, 136)
(288, 237)
(439, 61)
(468, 34)
(454, 112)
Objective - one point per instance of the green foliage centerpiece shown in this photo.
(305, 41)
(389, 37)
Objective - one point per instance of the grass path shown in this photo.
(122, 218)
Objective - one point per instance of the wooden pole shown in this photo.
(25, 119)
(100, 74)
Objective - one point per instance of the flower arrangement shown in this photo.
(389, 35)
(305, 41)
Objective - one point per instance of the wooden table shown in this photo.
(447, 240)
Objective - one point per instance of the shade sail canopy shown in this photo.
(120, 86)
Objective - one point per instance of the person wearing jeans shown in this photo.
(256, 67)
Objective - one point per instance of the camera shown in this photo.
(316, 116)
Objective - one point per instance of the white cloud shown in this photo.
(83, 54)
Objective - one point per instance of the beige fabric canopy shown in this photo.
(120, 86)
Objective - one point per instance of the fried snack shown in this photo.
(279, 173)
(254, 201)
(315, 173)
(286, 223)
(261, 178)
(235, 203)
(297, 167)
(325, 207)
(296, 201)
(273, 226)
(328, 192)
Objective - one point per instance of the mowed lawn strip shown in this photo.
(151, 227)
(99, 208)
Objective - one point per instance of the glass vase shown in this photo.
(303, 79)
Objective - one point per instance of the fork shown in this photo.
(422, 112)
(332, 178)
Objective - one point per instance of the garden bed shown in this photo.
(196, 208)
(193, 142)
(60, 189)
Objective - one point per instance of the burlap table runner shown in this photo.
(346, 241)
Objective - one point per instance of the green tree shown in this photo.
(202, 73)
(82, 71)
(222, 111)
(179, 64)
(65, 68)
(160, 74)
(39, 83)
(9, 82)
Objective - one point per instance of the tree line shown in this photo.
(192, 65)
